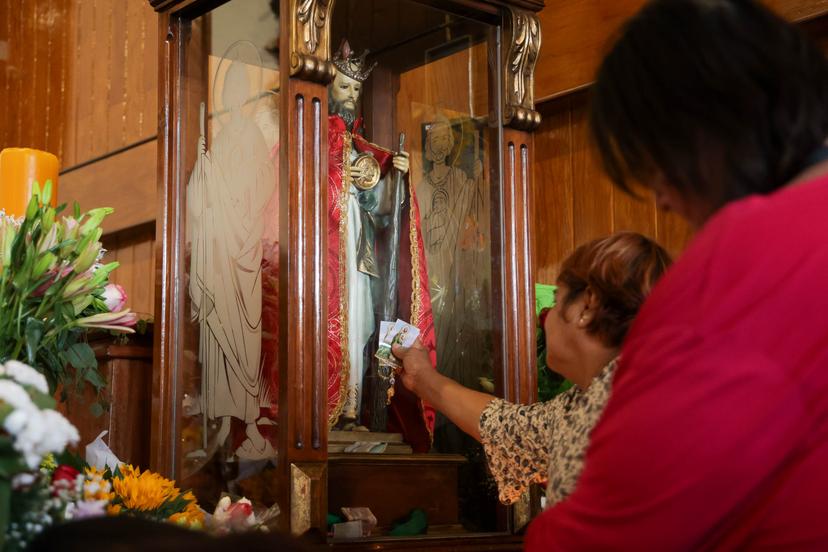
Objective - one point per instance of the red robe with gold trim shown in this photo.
(406, 413)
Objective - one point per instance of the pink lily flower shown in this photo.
(116, 321)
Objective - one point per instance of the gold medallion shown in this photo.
(370, 169)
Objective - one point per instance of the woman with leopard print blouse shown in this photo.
(601, 286)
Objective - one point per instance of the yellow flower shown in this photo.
(95, 487)
(113, 509)
(49, 463)
(142, 491)
(192, 516)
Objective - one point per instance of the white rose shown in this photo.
(25, 375)
(11, 393)
(59, 434)
(22, 480)
(15, 421)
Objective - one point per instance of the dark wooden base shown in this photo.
(392, 485)
(484, 542)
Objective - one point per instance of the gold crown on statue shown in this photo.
(350, 64)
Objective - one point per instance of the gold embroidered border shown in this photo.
(416, 290)
(345, 361)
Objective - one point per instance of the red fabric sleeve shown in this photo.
(727, 425)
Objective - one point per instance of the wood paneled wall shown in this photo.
(78, 78)
(34, 52)
(112, 65)
(576, 35)
(574, 200)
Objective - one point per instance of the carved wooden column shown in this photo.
(303, 184)
(174, 35)
(521, 41)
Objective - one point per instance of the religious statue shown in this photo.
(376, 264)
(229, 190)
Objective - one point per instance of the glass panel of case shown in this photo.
(410, 237)
(404, 68)
(228, 275)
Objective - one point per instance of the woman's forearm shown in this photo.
(461, 405)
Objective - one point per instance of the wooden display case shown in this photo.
(241, 392)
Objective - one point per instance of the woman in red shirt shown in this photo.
(715, 436)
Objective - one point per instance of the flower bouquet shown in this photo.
(36, 492)
(53, 289)
(64, 493)
(31, 430)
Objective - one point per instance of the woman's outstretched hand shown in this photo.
(416, 365)
(461, 405)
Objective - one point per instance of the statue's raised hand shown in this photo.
(401, 162)
(357, 173)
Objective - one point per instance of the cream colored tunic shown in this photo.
(544, 441)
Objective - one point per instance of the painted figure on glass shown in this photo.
(229, 190)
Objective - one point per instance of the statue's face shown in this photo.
(345, 91)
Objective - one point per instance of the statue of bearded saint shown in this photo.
(376, 267)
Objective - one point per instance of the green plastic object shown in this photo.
(544, 296)
(333, 519)
(550, 384)
(416, 524)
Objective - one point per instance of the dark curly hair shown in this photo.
(721, 97)
(620, 271)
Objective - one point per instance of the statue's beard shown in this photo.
(338, 108)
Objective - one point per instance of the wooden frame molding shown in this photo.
(303, 230)
(303, 179)
(172, 6)
(305, 48)
(310, 40)
(164, 423)
(518, 295)
(308, 487)
(533, 5)
(522, 41)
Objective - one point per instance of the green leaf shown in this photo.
(45, 278)
(81, 356)
(5, 410)
(6, 445)
(97, 409)
(33, 207)
(11, 464)
(5, 509)
(42, 400)
(34, 333)
(95, 378)
(46, 196)
(24, 274)
(65, 243)
(71, 459)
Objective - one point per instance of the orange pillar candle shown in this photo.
(20, 168)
